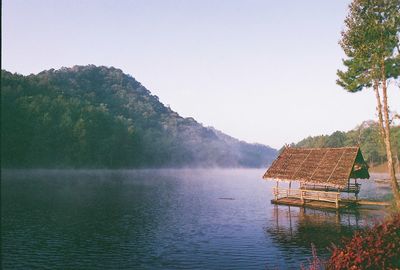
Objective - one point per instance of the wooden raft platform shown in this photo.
(312, 203)
(320, 199)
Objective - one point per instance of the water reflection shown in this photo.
(294, 229)
(159, 219)
(81, 219)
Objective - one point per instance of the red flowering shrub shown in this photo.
(374, 248)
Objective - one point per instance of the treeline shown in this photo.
(366, 135)
(89, 116)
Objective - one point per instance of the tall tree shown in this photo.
(371, 43)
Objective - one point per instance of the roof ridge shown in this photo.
(316, 148)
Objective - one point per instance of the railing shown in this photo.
(286, 192)
(353, 187)
(350, 188)
(305, 194)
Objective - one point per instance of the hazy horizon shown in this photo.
(260, 71)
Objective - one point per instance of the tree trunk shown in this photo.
(379, 109)
(395, 147)
(396, 154)
(395, 185)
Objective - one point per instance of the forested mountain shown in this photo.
(366, 135)
(89, 116)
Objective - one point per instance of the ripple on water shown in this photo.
(160, 219)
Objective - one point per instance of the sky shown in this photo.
(260, 71)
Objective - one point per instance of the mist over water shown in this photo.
(161, 219)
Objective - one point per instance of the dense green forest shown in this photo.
(366, 135)
(89, 116)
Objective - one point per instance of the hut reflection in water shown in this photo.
(294, 229)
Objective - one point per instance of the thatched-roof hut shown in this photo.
(324, 169)
(332, 167)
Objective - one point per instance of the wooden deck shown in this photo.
(320, 199)
(312, 203)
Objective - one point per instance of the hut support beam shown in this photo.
(355, 181)
(337, 201)
(301, 197)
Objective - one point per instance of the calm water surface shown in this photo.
(161, 219)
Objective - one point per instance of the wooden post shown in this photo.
(348, 186)
(301, 197)
(290, 186)
(337, 201)
(276, 190)
(290, 222)
(357, 190)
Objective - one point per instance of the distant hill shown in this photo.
(91, 117)
(366, 135)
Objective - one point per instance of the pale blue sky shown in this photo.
(261, 71)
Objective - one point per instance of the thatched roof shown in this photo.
(319, 166)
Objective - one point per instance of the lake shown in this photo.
(162, 219)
